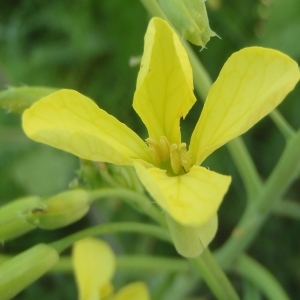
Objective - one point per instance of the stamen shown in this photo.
(175, 158)
(165, 148)
(154, 148)
(186, 159)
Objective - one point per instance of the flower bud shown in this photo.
(18, 99)
(12, 223)
(189, 17)
(23, 269)
(59, 211)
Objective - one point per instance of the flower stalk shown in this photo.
(284, 173)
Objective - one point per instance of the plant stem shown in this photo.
(287, 208)
(214, 276)
(202, 79)
(151, 263)
(260, 277)
(109, 228)
(134, 262)
(282, 176)
(139, 201)
(286, 170)
(284, 127)
(246, 168)
(251, 292)
(153, 8)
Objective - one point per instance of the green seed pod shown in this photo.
(189, 17)
(12, 223)
(60, 210)
(22, 270)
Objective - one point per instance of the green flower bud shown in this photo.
(18, 99)
(12, 223)
(189, 17)
(59, 211)
(22, 270)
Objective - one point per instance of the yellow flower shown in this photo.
(94, 266)
(252, 83)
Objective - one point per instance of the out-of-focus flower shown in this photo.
(94, 265)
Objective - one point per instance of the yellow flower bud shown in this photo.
(12, 223)
(189, 17)
(59, 211)
(22, 270)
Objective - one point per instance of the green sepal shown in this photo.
(191, 241)
(190, 18)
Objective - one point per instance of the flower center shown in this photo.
(173, 157)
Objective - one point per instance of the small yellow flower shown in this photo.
(94, 266)
(252, 83)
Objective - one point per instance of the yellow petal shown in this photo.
(164, 91)
(191, 199)
(72, 122)
(133, 291)
(251, 84)
(94, 265)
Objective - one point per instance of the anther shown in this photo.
(154, 148)
(165, 148)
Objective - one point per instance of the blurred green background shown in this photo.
(86, 45)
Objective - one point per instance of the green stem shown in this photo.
(250, 292)
(133, 262)
(214, 276)
(287, 208)
(284, 127)
(282, 176)
(202, 79)
(139, 201)
(260, 277)
(153, 8)
(110, 228)
(246, 168)
(150, 263)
